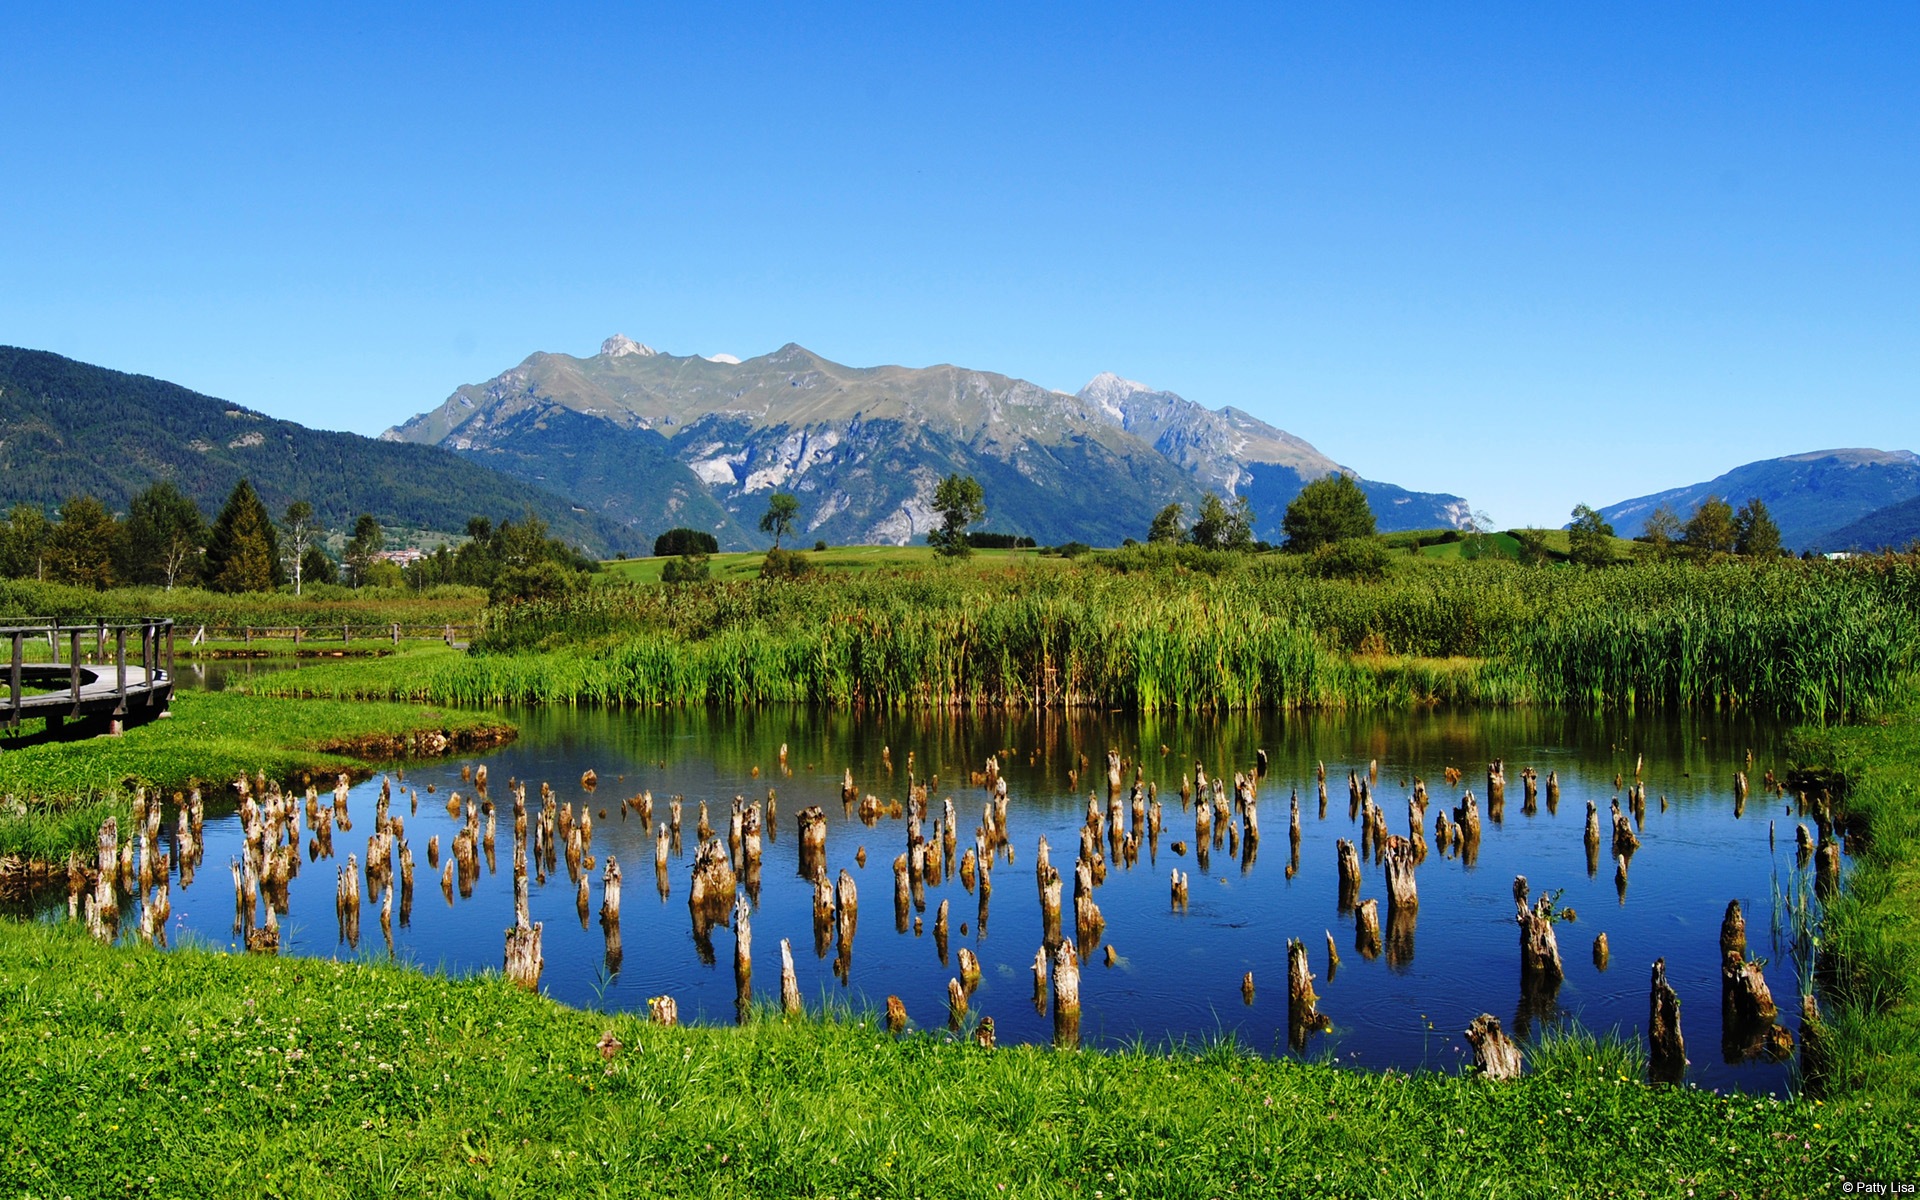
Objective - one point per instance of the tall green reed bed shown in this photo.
(1134, 630)
(132, 1071)
(54, 795)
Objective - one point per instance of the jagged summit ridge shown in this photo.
(863, 447)
(620, 345)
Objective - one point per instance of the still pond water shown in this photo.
(1178, 975)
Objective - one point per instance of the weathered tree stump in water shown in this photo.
(1540, 967)
(1625, 841)
(896, 1015)
(1366, 928)
(1495, 1055)
(969, 968)
(1826, 868)
(1667, 1057)
(742, 959)
(1303, 1012)
(1601, 953)
(1733, 931)
(1066, 995)
(711, 895)
(956, 1004)
(1349, 874)
(661, 1010)
(1403, 894)
(1179, 891)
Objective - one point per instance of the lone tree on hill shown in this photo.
(1587, 538)
(1330, 509)
(783, 509)
(243, 552)
(1754, 533)
(1222, 527)
(960, 503)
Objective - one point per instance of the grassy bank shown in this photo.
(141, 1073)
(1198, 632)
(1869, 966)
(58, 792)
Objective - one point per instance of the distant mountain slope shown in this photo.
(1808, 495)
(68, 428)
(1894, 527)
(864, 447)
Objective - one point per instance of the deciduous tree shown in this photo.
(960, 503)
(1589, 538)
(165, 535)
(1710, 530)
(1330, 509)
(1168, 525)
(1223, 526)
(783, 509)
(80, 547)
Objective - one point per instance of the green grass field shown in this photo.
(136, 1072)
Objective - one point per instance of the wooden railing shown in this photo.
(84, 693)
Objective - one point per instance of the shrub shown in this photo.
(1349, 558)
(784, 564)
(688, 568)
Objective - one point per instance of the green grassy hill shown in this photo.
(68, 428)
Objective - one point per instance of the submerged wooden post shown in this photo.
(813, 841)
(1667, 1058)
(789, 982)
(1349, 875)
(1495, 1055)
(956, 1004)
(523, 959)
(742, 959)
(1066, 995)
(1303, 1013)
(1540, 967)
(1602, 954)
(661, 1010)
(1366, 928)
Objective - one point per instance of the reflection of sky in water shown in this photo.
(1178, 974)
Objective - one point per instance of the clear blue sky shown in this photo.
(1535, 254)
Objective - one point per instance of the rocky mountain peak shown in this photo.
(620, 345)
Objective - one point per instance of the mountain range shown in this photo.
(653, 440)
(68, 428)
(1854, 499)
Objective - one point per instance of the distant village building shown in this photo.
(400, 558)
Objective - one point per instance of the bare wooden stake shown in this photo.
(661, 1010)
(1303, 1013)
(896, 1015)
(1667, 1060)
(789, 982)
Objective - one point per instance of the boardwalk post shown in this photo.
(120, 669)
(74, 662)
(13, 684)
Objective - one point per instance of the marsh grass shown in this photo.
(191, 1072)
(1185, 631)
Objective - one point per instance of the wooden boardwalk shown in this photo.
(129, 679)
